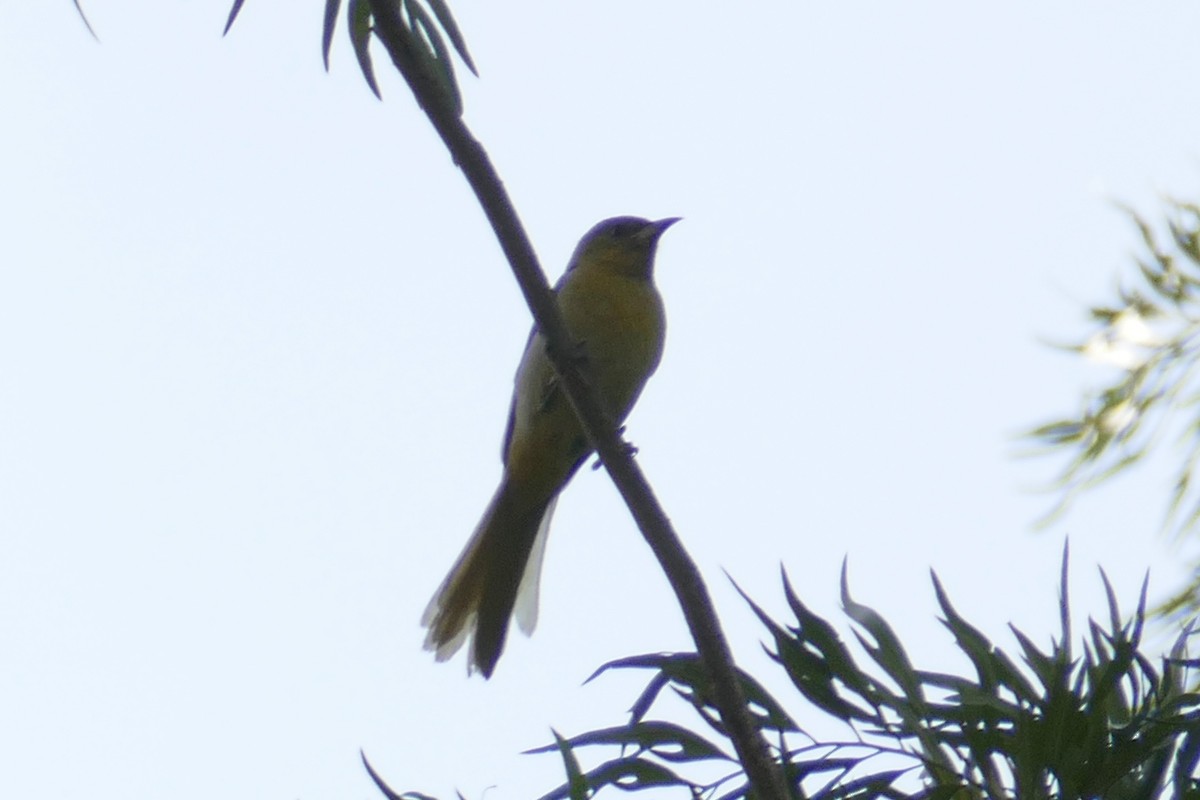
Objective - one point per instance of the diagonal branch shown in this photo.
(681, 571)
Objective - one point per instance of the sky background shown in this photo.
(257, 344)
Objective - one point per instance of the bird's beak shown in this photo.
(655, 229)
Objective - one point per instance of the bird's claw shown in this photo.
(629, 447)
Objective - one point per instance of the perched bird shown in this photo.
(614, 313)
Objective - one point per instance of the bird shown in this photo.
(615, 315)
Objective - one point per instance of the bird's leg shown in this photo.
(549, 393)
(629, 447)
(577, 355)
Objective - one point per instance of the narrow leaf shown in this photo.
(83, 17)
(888, 652)
(629, 774)
(970, 639)
(381, 784)
(233, 12)
(819, 634)
(435, 55)
(332, 7)
(1064, 600)
(666, 740)
(446, 20)
(577, 784)
(358, 17)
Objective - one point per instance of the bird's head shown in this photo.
(623, 244)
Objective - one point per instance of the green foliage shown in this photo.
(427, 25)
(1097, 719)
(1103, 722)
(1150, 335)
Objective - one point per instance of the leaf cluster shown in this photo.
(1150, 335)
(1054, 724)
(427, 26)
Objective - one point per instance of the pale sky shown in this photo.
(257, 344)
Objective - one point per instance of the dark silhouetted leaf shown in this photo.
(446, 20)
(430, 47)
(666, 740)
(82, 16)
(329, 25)
(577, 785)
(358, 19)
(388, 791)
(233, 12)
(887, 651)
(628, 774)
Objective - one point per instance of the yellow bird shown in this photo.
(614, 312)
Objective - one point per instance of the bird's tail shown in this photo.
(495, 577)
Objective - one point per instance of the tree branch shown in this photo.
(681, 571)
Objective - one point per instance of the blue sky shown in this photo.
(257, 343)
